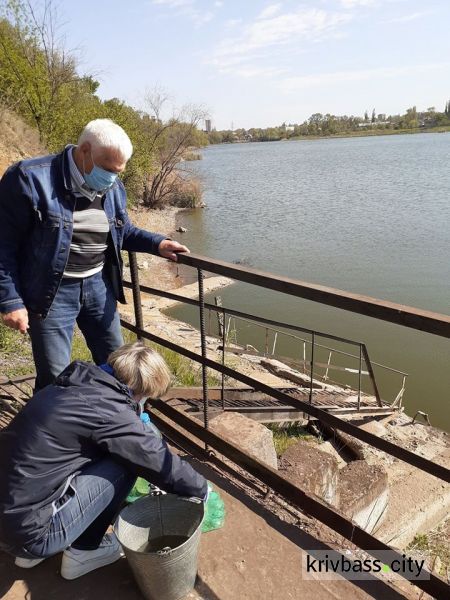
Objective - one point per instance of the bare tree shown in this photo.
(169, 142)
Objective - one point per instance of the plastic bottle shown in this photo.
(214, 511)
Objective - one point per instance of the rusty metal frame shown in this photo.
(135, 287)
(322, 415)
(407, 316)
(308, 503)
(387, 311)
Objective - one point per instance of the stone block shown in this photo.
(249, 435)
(311, 470)
(363, 493)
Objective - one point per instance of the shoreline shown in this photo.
(338, 136)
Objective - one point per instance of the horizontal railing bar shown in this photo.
(253, 318)
(296, 337)
(409, 457)
(312, 506)
(407, 316)
(239, 314)
(298, 362)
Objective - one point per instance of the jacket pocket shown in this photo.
(47, 230)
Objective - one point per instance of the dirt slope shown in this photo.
(17, 140)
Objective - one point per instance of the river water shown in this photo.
(367, 215)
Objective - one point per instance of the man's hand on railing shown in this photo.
(169, 249)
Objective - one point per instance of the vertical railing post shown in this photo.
(134, 273)
(312, 367)
(266, 351)
(274, 342)
(359, 376)
(371, 374)
(224, 340)
(304, 356)
(218, 302)
(328, 365)
(201, 297)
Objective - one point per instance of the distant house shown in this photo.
(289, 128)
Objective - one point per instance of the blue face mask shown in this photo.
(99, 179)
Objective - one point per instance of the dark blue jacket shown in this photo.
(86, 415)
(36, 223)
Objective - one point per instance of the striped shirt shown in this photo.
(90, 228)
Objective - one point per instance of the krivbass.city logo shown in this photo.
(331, 564)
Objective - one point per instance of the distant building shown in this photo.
(208, 125)
(289, 127)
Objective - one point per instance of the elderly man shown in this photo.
(63, 223)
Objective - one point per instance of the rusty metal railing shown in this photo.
(225, 314)
(407, 316)
(440, 324)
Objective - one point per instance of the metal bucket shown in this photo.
(160, 536)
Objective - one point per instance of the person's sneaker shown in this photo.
(27, 563)
(76, 563)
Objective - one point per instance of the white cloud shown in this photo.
(292, 84)
(187, 8)
(250, 71)
(411, 17)
(281, 30)
(173, 3)
(233, 22)
(218, 3)
(270, 11)
(355, 3)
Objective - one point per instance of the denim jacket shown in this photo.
(36, 223)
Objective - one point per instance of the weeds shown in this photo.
(283, 437)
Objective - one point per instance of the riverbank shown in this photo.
(351, 134)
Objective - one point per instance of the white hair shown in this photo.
(104, 133)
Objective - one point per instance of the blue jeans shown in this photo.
(82, 516)
(89, 302)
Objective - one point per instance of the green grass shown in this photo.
(420, 542)
(15, 353)
(283, 437)
(432, 545)
(16, 357)
(186, 372)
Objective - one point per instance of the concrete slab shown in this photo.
(363, 493)
(312, 470)
(414, 507)
(330, 448)
(248, 434)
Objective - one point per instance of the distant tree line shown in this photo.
(40, 81)
(325, 125)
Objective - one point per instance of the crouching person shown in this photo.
(69, 459)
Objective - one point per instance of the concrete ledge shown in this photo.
(248, 434)
(363, 493)
(312, 470)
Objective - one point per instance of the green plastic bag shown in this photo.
(214, 512)
(140, 489)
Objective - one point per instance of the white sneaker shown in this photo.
(27, 563)
(79, 562)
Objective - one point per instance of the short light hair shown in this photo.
(142, 369)
(104, 133)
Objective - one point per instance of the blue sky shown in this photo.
(256, 63)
